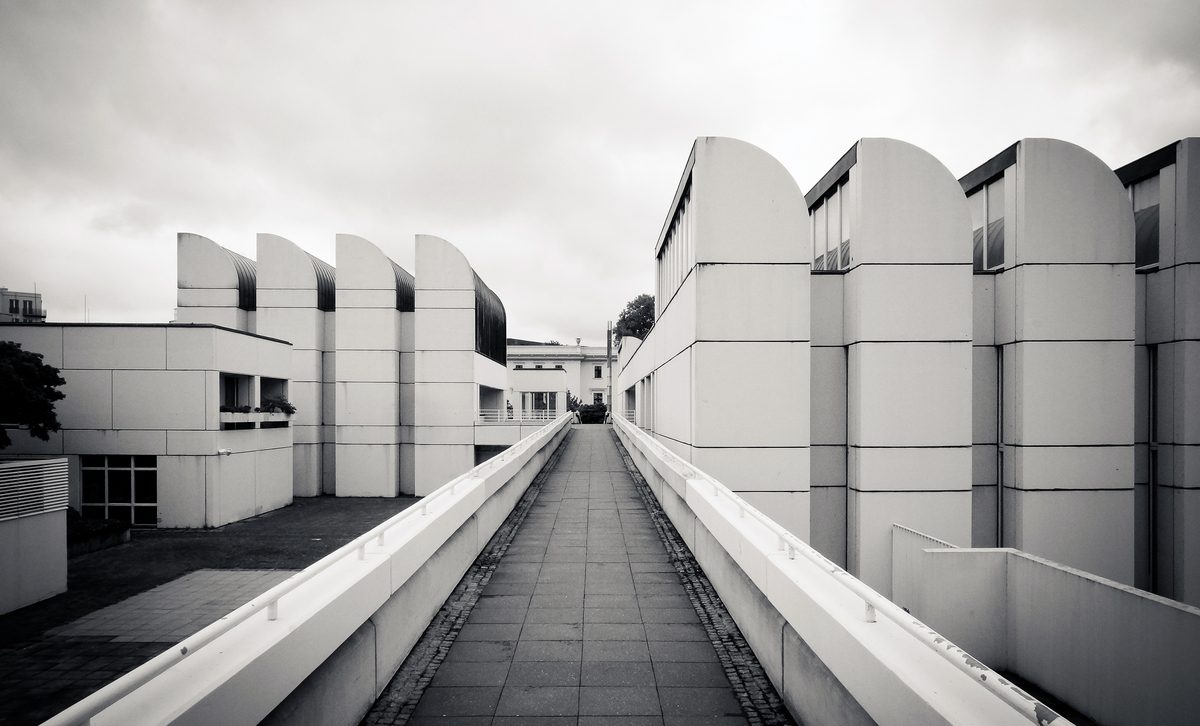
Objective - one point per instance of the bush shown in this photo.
(273, 405)
(592, 413)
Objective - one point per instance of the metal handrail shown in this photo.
(82, 711)
(873, 602)
(501, 415)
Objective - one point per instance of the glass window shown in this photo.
(111, 489)
(597, 398)
(597, 372)
(1146, 221)
(833, 233)
(976, 203)
(995, 224)
(820, 229)
(844, 193)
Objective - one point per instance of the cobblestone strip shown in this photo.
(760, 701)
(399, 699)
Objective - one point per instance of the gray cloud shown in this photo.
(544, 139)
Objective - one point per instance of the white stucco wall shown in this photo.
(154, 390)
(722, 378)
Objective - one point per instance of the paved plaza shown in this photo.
(127, 604)
(586, 619)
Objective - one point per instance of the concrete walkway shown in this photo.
(585, 619)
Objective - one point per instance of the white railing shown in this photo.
(872, 603)
(32, 486)
(500, 415)
(373, 542)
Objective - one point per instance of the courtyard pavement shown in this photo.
(127, 604)
(586, 619)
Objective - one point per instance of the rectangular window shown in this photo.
(833, 231)
(539, 365)
(518, 367)
(597, 398)
(820, 229)
(597, 372)
(122, 488)
(14, 306)
(995, 224)
(1145, 219)
(977, 203)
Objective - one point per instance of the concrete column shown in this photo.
(907, 311)
(1064, 306)
(372, 293)
(296, 293)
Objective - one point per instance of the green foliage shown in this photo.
(273, 405)
(592, 413)
(28, 390)
(636, 319)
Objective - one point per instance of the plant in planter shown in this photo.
(277, 405)
(592, 413)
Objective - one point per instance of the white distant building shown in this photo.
(542, 375)
(21, 307)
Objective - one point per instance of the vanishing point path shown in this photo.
(594, 613)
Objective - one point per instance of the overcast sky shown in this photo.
(545, 140)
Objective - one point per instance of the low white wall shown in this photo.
(1117, 654)
(33, 531)
(340, 635)
(808, 628)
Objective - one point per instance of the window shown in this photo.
(1145, 218)
(831, 229)
(14, 306)
(124, 488)
(597, 372)
(558, 366)
(987, 223)
(597, 397)
(518, 367)
(539, 365)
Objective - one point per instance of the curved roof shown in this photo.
(246, 280)
(405, 284)
(491, 325)
(326, 285)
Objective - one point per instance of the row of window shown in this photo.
(677, 254)
(831, 229)
(597, 371)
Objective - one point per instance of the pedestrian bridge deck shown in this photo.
(586, 618)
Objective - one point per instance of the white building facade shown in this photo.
(972, 360)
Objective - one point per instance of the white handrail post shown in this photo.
(273, 610)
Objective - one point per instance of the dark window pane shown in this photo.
(93, 482)
(92, 512)
(1146, 224)
(119, 487)
(845, 254)
(145, 462)
(121, 514)
(995, 244)
(93, 460)
(119, 461)
(146, 487)
(145, 516)
(93, 491)
(977, 248)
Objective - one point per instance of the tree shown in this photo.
(572, 402)
(636, 319)
(28, 390)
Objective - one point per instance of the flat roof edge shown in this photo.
(145, 325)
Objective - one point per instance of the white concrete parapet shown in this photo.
(896, 668)
(244, 666)
(1117, 654)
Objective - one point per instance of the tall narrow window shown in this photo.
(597, 372)
(833, 231)
(820, 261)
(995, 224)
(845, 193)
(978, 203)
(1145, 219)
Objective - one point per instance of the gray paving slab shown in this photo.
(585, 620)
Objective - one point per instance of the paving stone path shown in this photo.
(578, 613)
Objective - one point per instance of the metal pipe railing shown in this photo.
(82, 711)
(873, 603)
(500, 415)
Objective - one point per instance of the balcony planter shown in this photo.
(234, 417)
